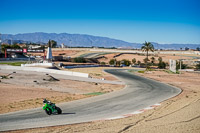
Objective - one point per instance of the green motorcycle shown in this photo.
(51, 108)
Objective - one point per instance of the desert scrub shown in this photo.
(94, 93)
(170, 72)
(141, 71)
(13, 63)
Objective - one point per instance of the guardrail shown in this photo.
(37, 69)
(38, 64)
(16, 59)
(80, 66)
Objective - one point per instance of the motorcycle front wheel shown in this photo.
(48, 111)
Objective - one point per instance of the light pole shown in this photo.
(0, 43)
(180, 60)
(115, 62)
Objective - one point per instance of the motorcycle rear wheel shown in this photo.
(59, 110)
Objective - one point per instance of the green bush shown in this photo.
(141, 71)
(118, 63)
(112, 61)
(133, 60)
(145, 60)
(152, 60)
(102, 63)
(79, 60)
(139, 62)
(161, 65)
(183, 66)
(197, 66)
(126, 62)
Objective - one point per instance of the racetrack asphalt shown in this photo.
(139, 93)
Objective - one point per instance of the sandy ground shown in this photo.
(96, 72)
(59, 53)
(23, 91)
(180, 114)
(107, 57)
(70, 52)
(64, 52)
(129, 57)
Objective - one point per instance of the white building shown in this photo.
(62, 45)
(49, 54)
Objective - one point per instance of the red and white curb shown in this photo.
(134, 113)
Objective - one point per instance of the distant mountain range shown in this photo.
(81, 40)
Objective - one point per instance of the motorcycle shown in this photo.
(51, 108)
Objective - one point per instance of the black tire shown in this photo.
(48, 112)
(59, 110)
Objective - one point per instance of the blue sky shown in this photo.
(162, 21)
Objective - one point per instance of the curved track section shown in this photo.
(139, 93)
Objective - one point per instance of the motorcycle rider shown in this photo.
(48, 102)
(45, 101)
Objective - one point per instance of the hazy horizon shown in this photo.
(101, 36)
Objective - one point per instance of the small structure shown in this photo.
(49, 52)
(62, 45)
(172, 65)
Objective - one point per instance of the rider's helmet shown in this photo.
(44, 101)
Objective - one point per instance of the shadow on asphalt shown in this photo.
(67, 114)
